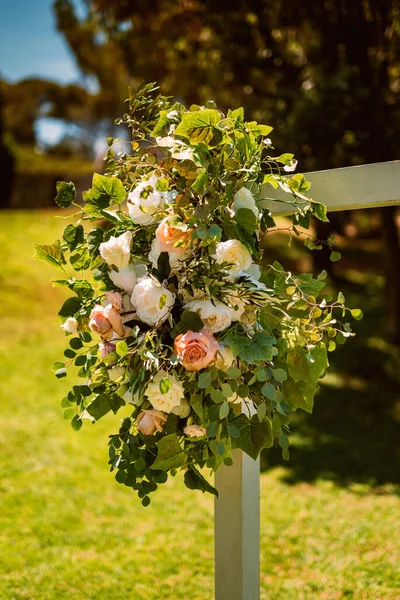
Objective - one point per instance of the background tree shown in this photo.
(327, 75)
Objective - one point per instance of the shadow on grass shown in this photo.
(354, 434)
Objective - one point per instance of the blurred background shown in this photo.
(326, 76)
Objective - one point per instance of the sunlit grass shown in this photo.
(68, 530)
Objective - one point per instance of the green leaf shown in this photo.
(279, 374)
(252, 350)
(60, 373)
(253, 435)
(76, 343)
(165, 385)
(204, 380)
(233, 372)
(319, 211)
(94, 239)
(73, 236)
(224, 410)
(261, 411)
(217, 396)
(357, 314)
(99, 407)
(81, 259)
(121, 348)
(50, 253)
(194, 480)
(200, 183)
(190, 321)
(163, 267)
(105, 190)
(298, 395)
(268, 390)
(307, 366)
(198, 127)
(335, 256)
(169, 454)
(246, 219)
(196, 402)
(70, 307)
(76, 423)
(65, 194)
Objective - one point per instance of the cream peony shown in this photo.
(145, 202)
(125, 279)
(152, 301)
(224, 358)
(117, 250)
(244, 199)
(194, 431)
(150, 421)
(235, 253)
(169, 399)
(70, 325)
(215, 316)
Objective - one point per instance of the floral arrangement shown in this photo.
(176, 319)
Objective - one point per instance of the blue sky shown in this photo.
(30, 46)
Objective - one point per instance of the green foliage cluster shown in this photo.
(193, 176)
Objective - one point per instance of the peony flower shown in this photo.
(115, 299)
(106, 348)
(166, 397)
(145, 202)
(173, 239)
(125, 279)
(117, 250)
(235, 253)
(175, 260)
(149, 421)
(215, 316)
(194, 431)
(183, 410)
(105, 320)
(152, 301)
(224, 358)
(70, 325)
(196, 349)
(244, 199)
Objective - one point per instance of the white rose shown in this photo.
(125, 279)
(145, 201)
(224, 358)
(235, 253)
(155, 251)
(183, 410)
(173, 392)
(70, 325)
(152, 301)
(216, 317)
(117, 250)
(244, 199)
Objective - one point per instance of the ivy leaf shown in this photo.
(194, 480)
(170, 454)
(319, 211)
(66, 194)
(199, 184)
(190, 321)
(104, 191)
(246, 219)
(50, 253)
(99, 407)
(94, 239)
(252, 350)
(253, 435)
(198, 126)
(299, 395)
(73, 236)
(307, 366)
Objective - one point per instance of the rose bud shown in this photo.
(149, 421)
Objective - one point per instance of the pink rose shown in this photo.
(106, 348)
(173, 239)
(104, 320)
(149, 421)
(196, 349)
(194, 431)
(114, 298)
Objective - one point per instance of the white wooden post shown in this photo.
(237, 510)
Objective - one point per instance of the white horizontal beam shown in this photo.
(364, 186)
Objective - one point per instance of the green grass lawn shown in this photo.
(68, 530)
